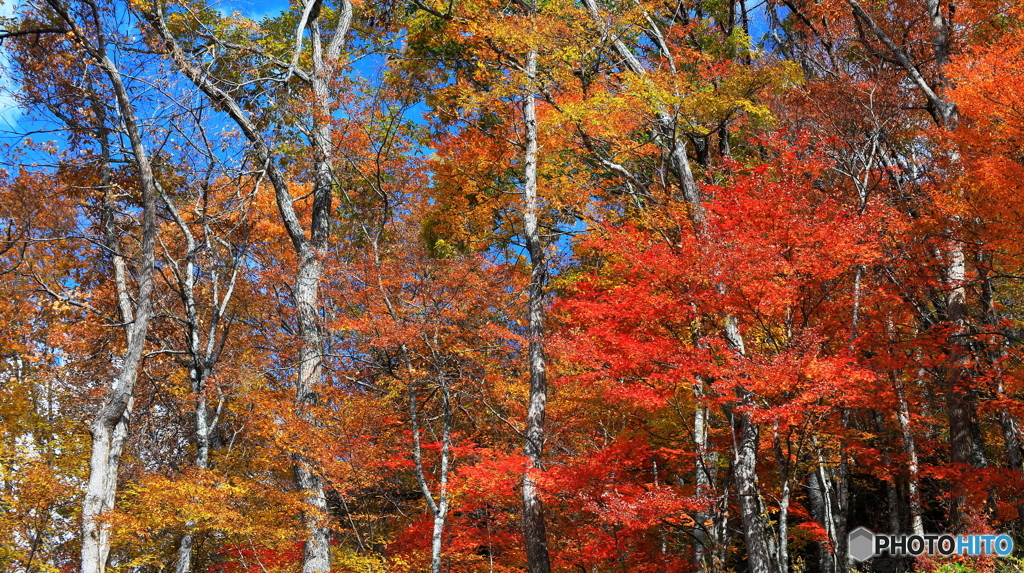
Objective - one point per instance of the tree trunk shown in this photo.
(196, 372)
(183, 562)
(316, 549)
(841, 509)
(438, 506)
(909, 446)
(782, 459)
(202, 358)
(821, 510)
(534, 531)
(745, 460)
(829, 501)
(706, 539)
(755, 533)
(760, 552)
(958, 398)
(963, 447)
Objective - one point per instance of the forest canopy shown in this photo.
(521, 285)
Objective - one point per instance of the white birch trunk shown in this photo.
(202, 359)
(755, 533)
(759, 546)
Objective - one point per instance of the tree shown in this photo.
(308, 249)
(88, 27)
(640, 325)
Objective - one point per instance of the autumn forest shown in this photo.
(545, 286)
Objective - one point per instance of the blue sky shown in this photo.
(253, 8)
(8, 110)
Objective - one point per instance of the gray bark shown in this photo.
(830, 498)
(197, 375)
(1011, 444)
(842, 502)
(958, 398)
(821, 510)
(783, 462)
(761, 551)
(316, 549)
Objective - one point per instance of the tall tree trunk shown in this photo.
(706, 539)
(534, 530)
(841, 510)
(913, 471)
(437, 536)
(202, 358)
(316, 549)
(761, 554)
(783, 461)
(196, 371)
(821, 510)
(203, 428)
(759, 546)
(829, 498)
(958, 397)
(755, 533)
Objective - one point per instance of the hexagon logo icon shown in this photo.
(861, 544)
